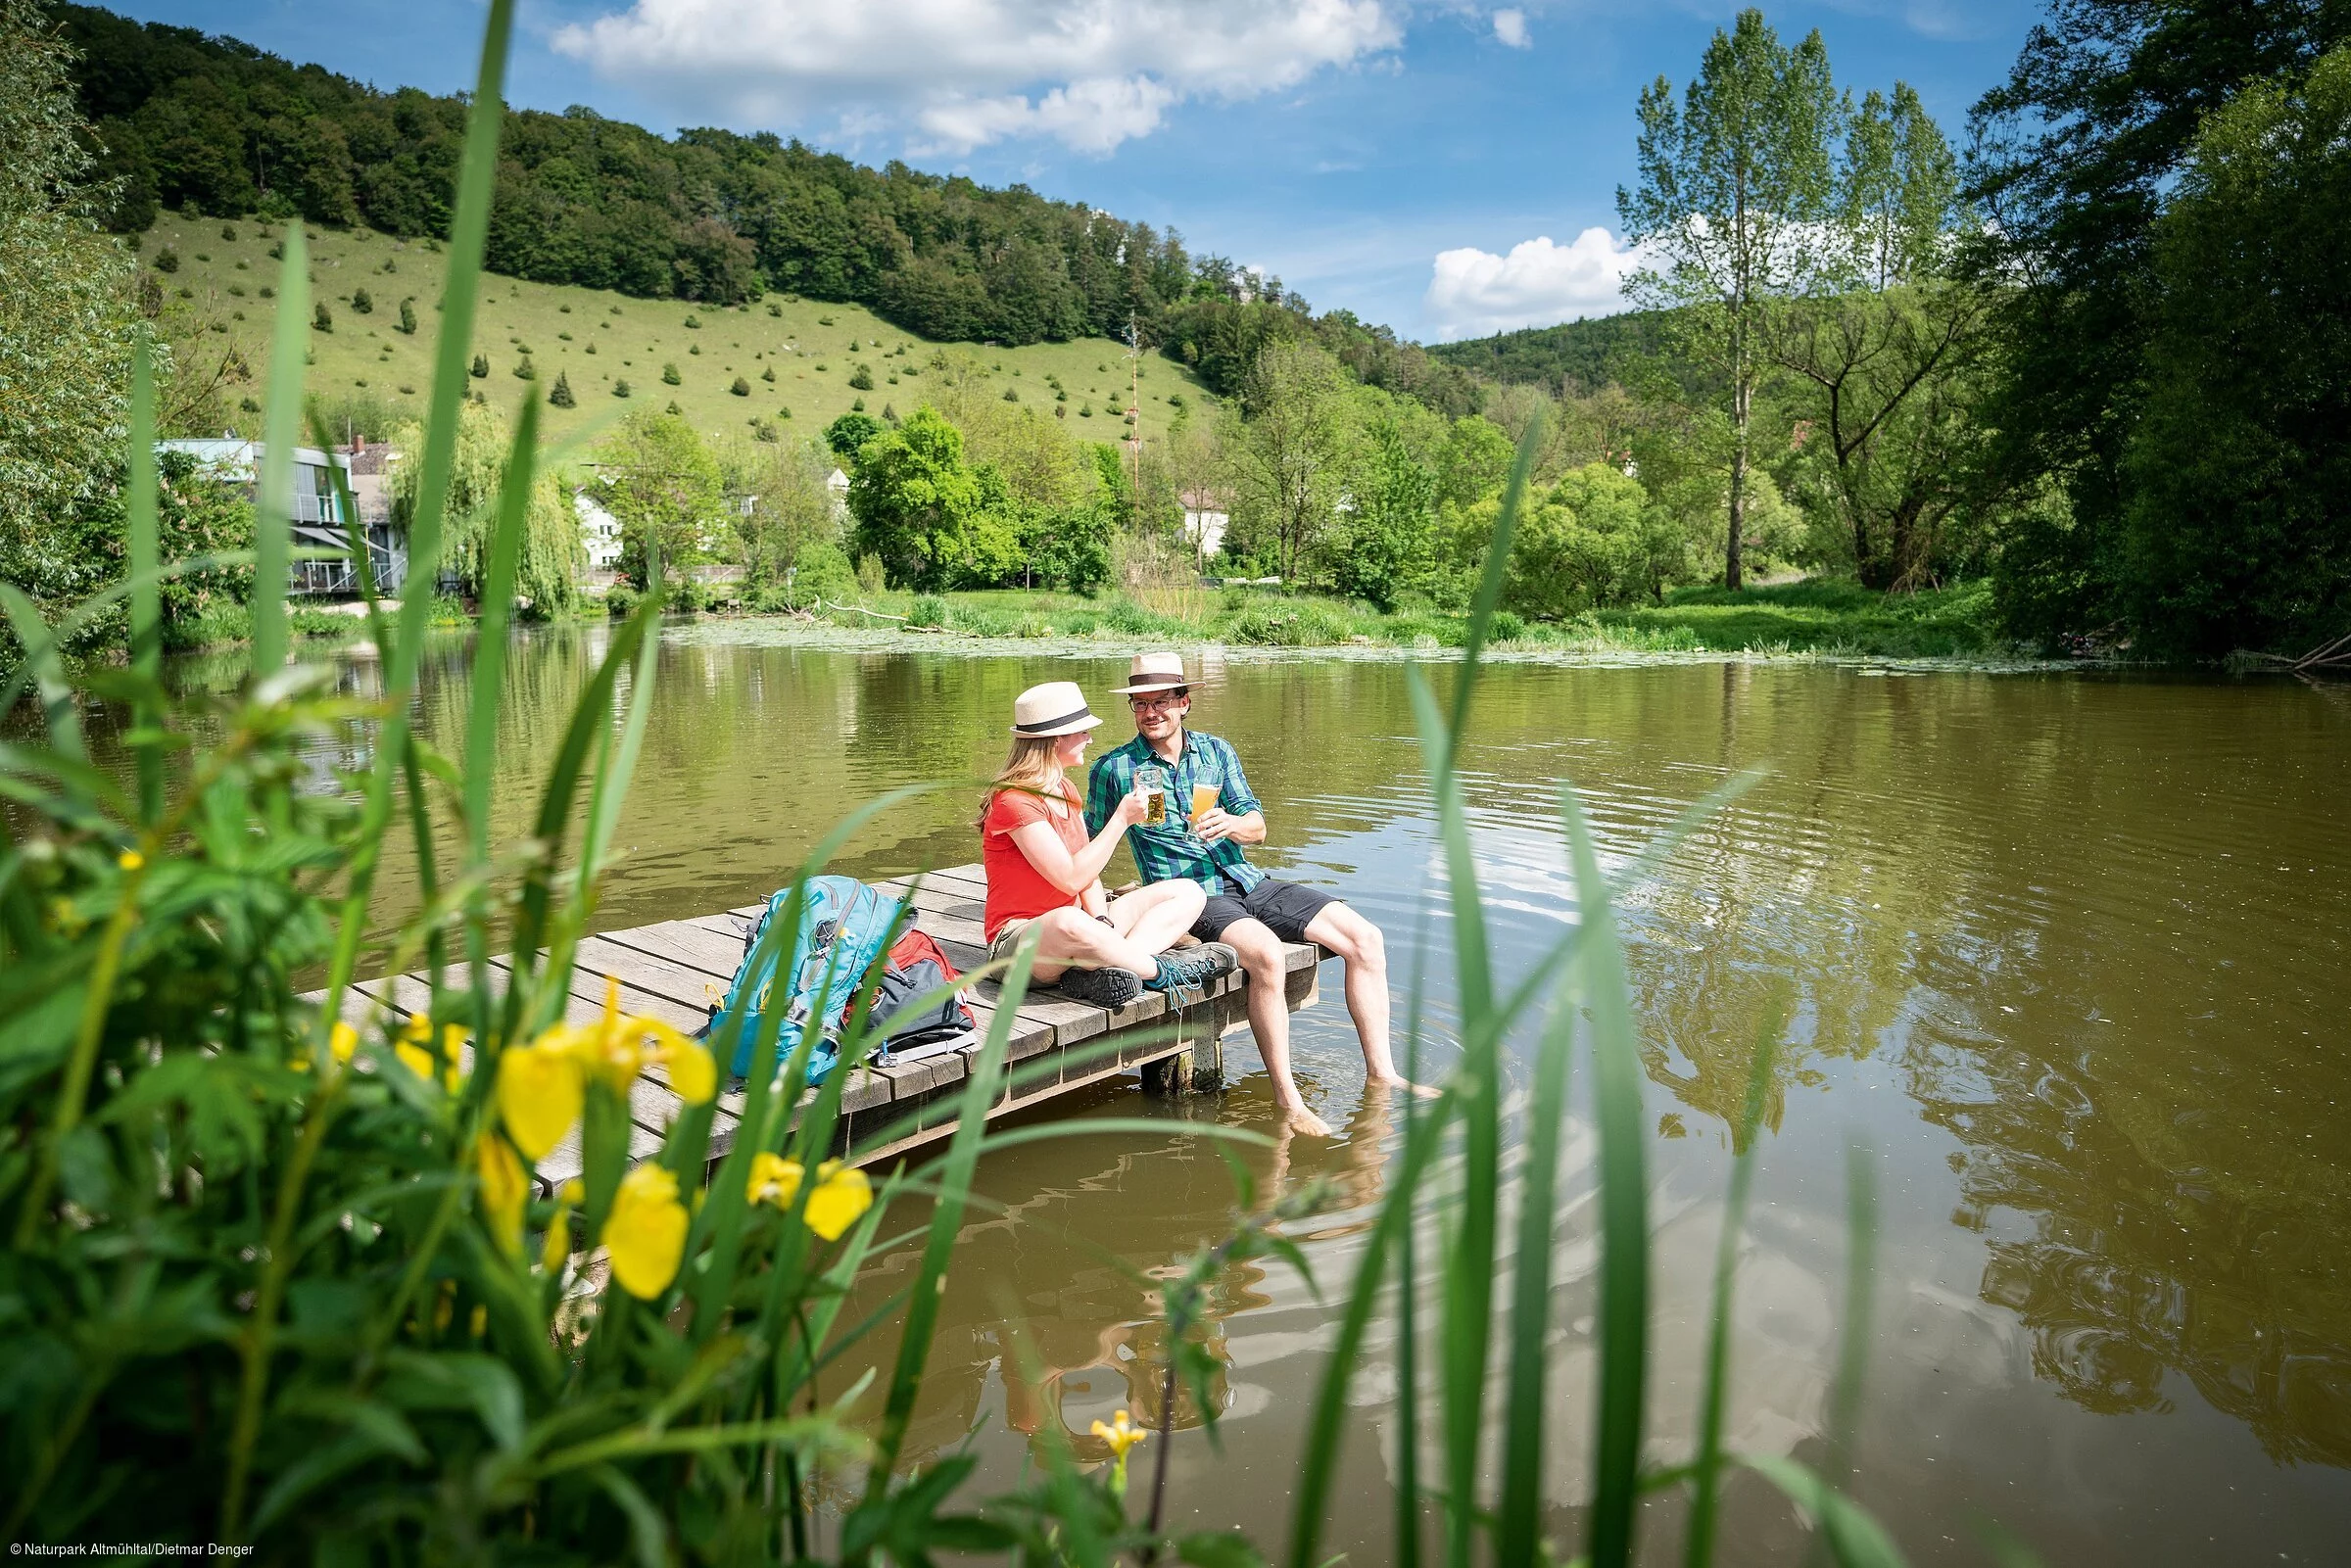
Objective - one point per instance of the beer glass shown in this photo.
(1153, 782)
(1207, 790)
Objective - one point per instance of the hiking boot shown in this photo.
(1191, 968)
(1100, 987)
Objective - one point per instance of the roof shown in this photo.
(243, 457)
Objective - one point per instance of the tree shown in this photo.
(408, 317)
(363, 303)
(850, 432)
(1736, 200)
(1384, 546)
(663, 487)
(741, 387)
(65, 321)
(322, 318)
(1286, 451)
(2079, 152)
(559, 395)
(552, 557)
(792, 514)
(481, 366)
(2238, 532)
(1887, 368)
(932, 520)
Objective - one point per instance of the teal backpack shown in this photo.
(843, 926)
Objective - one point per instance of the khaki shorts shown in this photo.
(1008, 937)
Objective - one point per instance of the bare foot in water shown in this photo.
(1423, 1090)
(1299, 1119)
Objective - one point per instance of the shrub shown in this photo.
(407, 316)
(670, 376)
(322, 318)
(228, 231)
(167, 260)
(559, 395)
(741, 388)
(524, 371)
(1280, 623)
(362, 301)
(621, 601)
(481, 366)
(928, 610)
(620, 388)
(692, 320)
(862, 379)
(768, 375)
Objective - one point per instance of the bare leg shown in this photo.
(1260, 957)
(1153, 917)
(1072, 938)
(1359, 942)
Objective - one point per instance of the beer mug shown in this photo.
(1153, 782)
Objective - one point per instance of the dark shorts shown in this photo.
(1286, 908)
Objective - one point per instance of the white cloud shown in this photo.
(1474, 291)
(957, 74)
(1510, 27)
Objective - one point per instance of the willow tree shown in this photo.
(553, 553)
(1737, 207)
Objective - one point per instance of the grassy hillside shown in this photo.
(599, 339)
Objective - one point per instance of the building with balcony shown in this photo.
(319, 521)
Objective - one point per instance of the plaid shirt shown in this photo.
(1173, 850)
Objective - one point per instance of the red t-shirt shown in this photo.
(1016, 890)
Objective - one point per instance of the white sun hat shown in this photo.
(1152, 671)
(1057, 707)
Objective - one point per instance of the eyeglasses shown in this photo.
(1155, 704)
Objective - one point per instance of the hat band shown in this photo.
(1154, 679)
(1045, 725)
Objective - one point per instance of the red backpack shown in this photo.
(916, 966)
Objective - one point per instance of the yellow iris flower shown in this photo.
(539, 1095)
(555, 1251)
(841, 1194)
(646, 1234)
(505, 1188)
(417, 1059)
(774, 1181)
(1121, 1434)
(343, 1040)
(541, 1085)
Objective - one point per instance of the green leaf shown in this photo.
(281, 430)
(1856, 1540)
(1219, 1549)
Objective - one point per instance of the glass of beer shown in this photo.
(1153, 782)
(1205, 794)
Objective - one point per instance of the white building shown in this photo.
(319, 520)
(837, 485)
(600, 531)
(1205, 514)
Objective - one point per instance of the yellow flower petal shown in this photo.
(774, 1181)
(572, 1193)
(555, 1251)
(691, 1072)
(539, 1096)
(131, 860)
(646, 1233)
(838, 1199)
(343, 1040)
(505, 1187)
(419, 1027)
(416, 1058)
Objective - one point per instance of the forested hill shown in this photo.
(212, 123)
(1583, 353)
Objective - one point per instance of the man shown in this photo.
(1247, 910)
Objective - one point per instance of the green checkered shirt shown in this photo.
(1173, 850)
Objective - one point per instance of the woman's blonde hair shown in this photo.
(1029, 767)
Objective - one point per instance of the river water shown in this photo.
(2064, 954)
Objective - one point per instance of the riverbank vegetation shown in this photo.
(279, 1273)
(1864, 359)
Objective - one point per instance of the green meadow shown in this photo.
(797, 357)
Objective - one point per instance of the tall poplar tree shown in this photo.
(1737, 205)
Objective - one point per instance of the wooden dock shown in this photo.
(676, 970)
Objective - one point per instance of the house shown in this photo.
(836, 485)
(1205, 514)
(319, 521)
(600, 531)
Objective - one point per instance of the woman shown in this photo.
(1043, 871)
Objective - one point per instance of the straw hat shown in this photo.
(1057, 707)
(1152, 671)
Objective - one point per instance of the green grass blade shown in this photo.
(1714, 1399)
(1860, 1290)
(476, 179)
(281, 430)
(146, 549)
(490, 641)
(947, 1216)
(58, 705)
(1407, 1275)
(1856, 1540)
(1520, 1520)
(1469, 1266)
(1318, 1468)
(1623, 1207)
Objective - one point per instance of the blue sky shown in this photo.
(1433, 165)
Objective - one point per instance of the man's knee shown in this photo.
(1350, 936)
(1259, 949)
